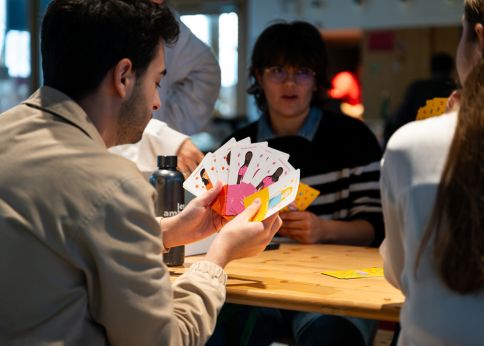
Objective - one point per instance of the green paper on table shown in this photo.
(356, 273)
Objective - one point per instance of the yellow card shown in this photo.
(423, 113)
(356, 273)
(264, 197)
(439, 105)
(429, 105)
(433, 107)
(419, 113)
(441, 101)
(304, 197)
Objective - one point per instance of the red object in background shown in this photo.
(381, 41)
(346, 87)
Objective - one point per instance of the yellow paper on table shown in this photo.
(356, 273)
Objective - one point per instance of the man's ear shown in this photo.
(479, 29)
(124, 78)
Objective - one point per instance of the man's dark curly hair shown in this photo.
(81, 40)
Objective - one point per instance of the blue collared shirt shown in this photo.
(308, 130)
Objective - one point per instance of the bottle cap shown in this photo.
(167, 161)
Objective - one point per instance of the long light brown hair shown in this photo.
(457, 222)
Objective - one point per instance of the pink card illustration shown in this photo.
(223, 156)
(261, 161)
(274, 169)
(243, 157)
(198, 182)
(235, 197)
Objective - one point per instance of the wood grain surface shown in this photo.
(291, 278)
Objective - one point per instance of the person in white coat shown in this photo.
(192, 84)
(187, 95)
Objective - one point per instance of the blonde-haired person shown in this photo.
(433, 199)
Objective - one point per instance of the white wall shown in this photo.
(336, 14)
(347, 14)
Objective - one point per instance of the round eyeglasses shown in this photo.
(301, 75)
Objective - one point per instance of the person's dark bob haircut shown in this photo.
(81, 40)
(297, 44)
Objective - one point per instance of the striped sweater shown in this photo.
(342, 162)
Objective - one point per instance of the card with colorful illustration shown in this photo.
(283, 193)
(263, 195)
(222, 158)
(244, 157)
(276, 196)
(235, 197)
(263, 158)
(199, 181)
(273, 169)
(210, 168)
(219, 204)
(244, 169)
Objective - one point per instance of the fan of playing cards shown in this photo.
(247, 171)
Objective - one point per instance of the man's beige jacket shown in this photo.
(80, 248)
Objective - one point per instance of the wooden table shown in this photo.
(290, 278)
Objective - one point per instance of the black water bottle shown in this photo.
(168, 182)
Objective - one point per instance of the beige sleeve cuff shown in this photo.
(164, 249)
(210, 268)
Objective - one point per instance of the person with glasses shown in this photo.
(337, 154)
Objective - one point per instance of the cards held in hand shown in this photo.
(247, 171)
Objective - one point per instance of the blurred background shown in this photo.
(383, 45)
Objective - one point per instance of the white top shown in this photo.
(191, 86)
(158, 139)
(411, 171)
